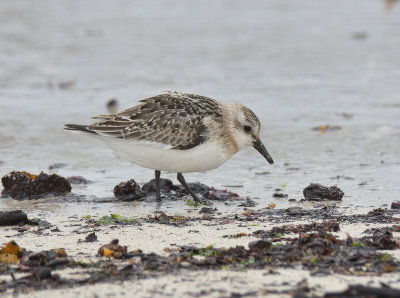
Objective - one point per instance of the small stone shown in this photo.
(57, 165)
(128, 191)
(92, 237)
(12, 217)
(395, 205)
(23, 185)
(279, 195)
(316, 192)
(207, 210)
(112, 105)
(259, 245)
(78, 180)
(165, 184)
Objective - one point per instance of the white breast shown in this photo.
(203, 157)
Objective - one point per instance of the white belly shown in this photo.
(204, 157)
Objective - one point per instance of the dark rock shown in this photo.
(91, 237)
(23, 185)
(128, 191)
(216, 194)
(66, 84)
(294, 210)
(279, 195)
(248, 203)
(57, 165)
(198, 188)
(165, 184)
(380, 239)
(359, 36)
(259, 245)
(112, 105)
(78, 180)
(42, 273)
(395, 205)
(207, 210)
(42, 224)
(365, 291)
(262, 173)
(57, 262)
(318, 192)
(326, 226)
(13, 217)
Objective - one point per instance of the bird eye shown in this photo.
(247, 128)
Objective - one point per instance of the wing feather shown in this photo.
(171, 119)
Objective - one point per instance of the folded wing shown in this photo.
(166, 119)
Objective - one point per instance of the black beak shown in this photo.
(261, 148)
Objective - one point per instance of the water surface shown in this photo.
(297, 64)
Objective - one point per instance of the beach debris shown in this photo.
(57, 165)
(129, 191)
(264, 173)
(382, 238)
(12, 217)
(48, 258)
(23, 185)
(213, 194)
(66, 84)
(235, 236)
(389, 4)
(316, 192)
(207, 210)
(78, 180)
(11, 248)
(113, 249)
(346, 115)
(259, 245)
(318, 251)
(162, 218)
(360, 35)
(113, 219)
(279, 195)
(9, 253)
(325, 128)
(325, 226)
(6, 258)
(165, 185)
(313, 251)
(395, 205)
(92, 237)
(248, 203)
(278, 192)
(365, 291)
(112, 105)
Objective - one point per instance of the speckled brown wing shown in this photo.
(171, 119)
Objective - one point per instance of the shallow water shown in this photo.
(297, 64)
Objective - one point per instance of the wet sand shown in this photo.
(299, 66)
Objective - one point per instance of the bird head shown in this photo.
(246, 131)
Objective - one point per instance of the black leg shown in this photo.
(183, 182)
(158, 196)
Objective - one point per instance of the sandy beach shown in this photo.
(323, 79)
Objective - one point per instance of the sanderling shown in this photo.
(178, 132)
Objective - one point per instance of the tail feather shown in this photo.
(78, 127)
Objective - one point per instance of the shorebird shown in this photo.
(178, 132)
